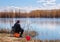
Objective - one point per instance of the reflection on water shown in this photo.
(47, 28)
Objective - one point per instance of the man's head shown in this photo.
(18, 21)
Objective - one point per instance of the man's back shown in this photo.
(17, 27)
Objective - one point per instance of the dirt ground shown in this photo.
(8, 38)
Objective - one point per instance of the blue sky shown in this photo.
(31, 4)
(18, 3)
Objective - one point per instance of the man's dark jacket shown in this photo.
(17, 28)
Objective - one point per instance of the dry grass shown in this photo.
(4, 37)
(7, 38)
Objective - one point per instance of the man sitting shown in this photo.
(17, 28)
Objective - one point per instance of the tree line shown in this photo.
(32, 14)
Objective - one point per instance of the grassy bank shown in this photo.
(7, 38)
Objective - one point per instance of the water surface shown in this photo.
(47, 28)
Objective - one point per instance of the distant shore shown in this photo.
(33, 14)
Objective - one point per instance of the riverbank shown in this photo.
(7, 38)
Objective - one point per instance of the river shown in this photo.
(47, 28)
